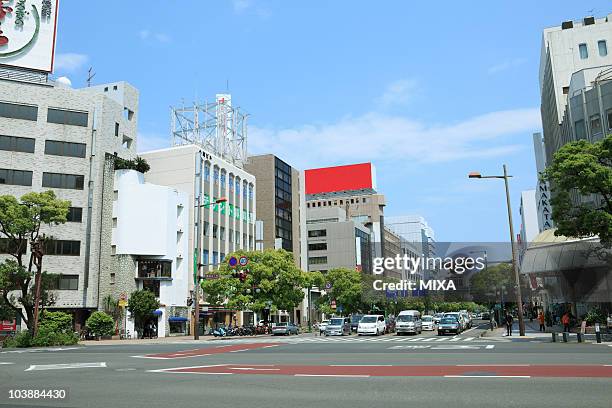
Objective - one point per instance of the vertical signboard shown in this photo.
(27, 33)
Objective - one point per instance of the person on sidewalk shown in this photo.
(509, 320)
(541, 319)
(566, 322)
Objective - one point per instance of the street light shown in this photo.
(198, 258)
(519, 298)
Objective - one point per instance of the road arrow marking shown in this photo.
(65, 366)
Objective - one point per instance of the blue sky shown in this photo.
(428, 91)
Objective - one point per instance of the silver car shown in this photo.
(338, 326)
(285, 329)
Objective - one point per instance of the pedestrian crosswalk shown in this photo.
(358, 339)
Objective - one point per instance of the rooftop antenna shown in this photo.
(90, 76)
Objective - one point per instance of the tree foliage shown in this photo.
(586, 169)
(20, 223)
(346, 291)
(142, 304)
(485, 283)
(100, 324)
(272, 281)
(139, 164)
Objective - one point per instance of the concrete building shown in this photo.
(280, 205)
(57, 138)
(544, 207)
(567, 49)
(529, 218)
(334, 241)
(415, 230)
(149, 249)
(227, 226)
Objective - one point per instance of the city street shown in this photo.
(314, 371)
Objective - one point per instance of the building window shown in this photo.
(319, 246)
(250, 192)
(237, 239)
(595, 124)
(580, 130)
(112, 278)
(67, 117)
(75, 214)
(113, 250)
(67, 282)
(223, 178)
(215, 231)
(609, 117)
(57, 148)
(231, 182)
(206, 228)
(222, 233)
(9, 246)
(17, 144)
(216, 175)
(221, 257)
(603, 48)
(237, 186)
(154, 269)
(63, 247)
(584, 52)
(245, 190)
(16, 111)
(215, 258)
(207, 172)
(16, 177)
(317, 233)
(116, 129)
(205, 257)
(231, 236)
(317, 260)
(68, 181)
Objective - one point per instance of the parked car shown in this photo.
(437, 317)
(459, 317)
(285, 328)
(449, 324)
(338, 326)
(322, 326)
(355, 321)
(427, 323)
(390, 325)
(408, 321)
(371, 324)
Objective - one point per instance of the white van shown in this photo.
(372, 324)
(408, 321)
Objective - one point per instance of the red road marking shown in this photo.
(598, 371)
(211, 350)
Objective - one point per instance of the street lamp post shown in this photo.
(519, 299)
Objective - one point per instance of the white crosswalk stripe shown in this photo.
(361, 340)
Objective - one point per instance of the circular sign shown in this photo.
(123, 296)
(233, 261)
(328, 285)
(243, 260)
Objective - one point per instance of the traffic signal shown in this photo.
(189, 301)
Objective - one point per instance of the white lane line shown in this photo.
(164, 370)
(125, 369)
(467, 331)
(441, 339)
(238, 351)
(273, 345)
(360, 365)
(417, 339)
(487, 376)
(5, 363)
(429, 339)
(254, 369)
(468, 339)
(489, 346)
(455, 339)
(493, 365)
(153, 358)
(456, 347)
(332, 375)
(65, 366)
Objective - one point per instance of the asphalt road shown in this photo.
(303, 371)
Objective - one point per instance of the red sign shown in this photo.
(340, 178)
(8, 326)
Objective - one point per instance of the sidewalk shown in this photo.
(159, 340)
(531, 331)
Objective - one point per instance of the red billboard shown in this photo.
(340, 178)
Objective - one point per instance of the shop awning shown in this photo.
(177, 319)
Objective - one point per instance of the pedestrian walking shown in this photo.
(541, 319)
(509, 320)
(566, 322)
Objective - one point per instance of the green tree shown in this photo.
(100, 324)
(142, 304)
(584, 168)
(54, 329)
(485, 283)
(20, 223)
(346, 290)
(111, 307)
(272, 281)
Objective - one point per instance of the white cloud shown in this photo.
(376, 136)
(70, 62)
(397, 93)
(506, 65)
(147, 35)
(241, 5)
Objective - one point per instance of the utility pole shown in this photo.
(37, 257)
(198, 249)
(519, 298)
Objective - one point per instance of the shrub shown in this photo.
(21, 340)
(138, 164)
(595, 315)
(45, 338)
(100, 324)
(57, 322)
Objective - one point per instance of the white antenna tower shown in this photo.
(218, 127)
